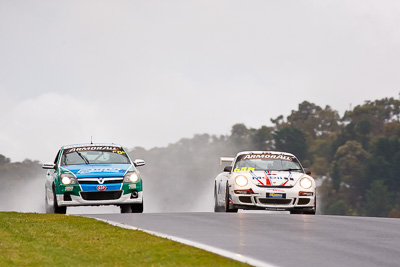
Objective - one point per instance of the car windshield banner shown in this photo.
(93, 148)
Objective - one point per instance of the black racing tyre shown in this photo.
(227, 206)
(56, 208)
(137, 208)
(217, 208)
(313, 211)
(125, 208)
(296, 212)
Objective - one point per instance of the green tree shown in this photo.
(351, 158)
(336, 179)
(377, 202)
(314, 120)
(261, 139)
(293, 140)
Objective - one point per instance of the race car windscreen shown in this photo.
(267, 162)
(94, 155)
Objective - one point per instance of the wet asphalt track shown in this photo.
(281, 239)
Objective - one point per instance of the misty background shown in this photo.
(160, 77)
(148, 73)
(355, 160)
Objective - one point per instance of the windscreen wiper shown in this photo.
(83, 157)
(292, 169)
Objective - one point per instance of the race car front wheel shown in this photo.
(56, 208)
(217, 208)
(131, 208)
(137, 208)
(227, 204)
(125, 208)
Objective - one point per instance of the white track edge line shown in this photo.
(221, 252)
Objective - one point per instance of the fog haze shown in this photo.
(147, 73)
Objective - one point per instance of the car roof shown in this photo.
(92, 144)
(266, 152)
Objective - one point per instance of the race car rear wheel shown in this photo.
(227, 204)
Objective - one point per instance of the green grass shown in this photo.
(30, 239)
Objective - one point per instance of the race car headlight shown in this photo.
(68, 179)
(306, 183)
(241, 180)
(131, 177)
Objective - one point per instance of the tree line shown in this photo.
(355, 158)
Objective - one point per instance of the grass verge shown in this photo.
(30, 239)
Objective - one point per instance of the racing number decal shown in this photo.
(243, 169)
(119, 152)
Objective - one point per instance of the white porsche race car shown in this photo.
(267, 180)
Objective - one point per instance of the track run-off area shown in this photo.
(265, 239)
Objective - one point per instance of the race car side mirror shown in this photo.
(49, 166)
(307, 171)
(138, 162)
(228, 169)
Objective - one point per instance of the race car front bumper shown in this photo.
(272, 198)
(90, 198)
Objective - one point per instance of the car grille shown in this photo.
(108, 180)
(105, 195)
(275, 201)
(303, 201)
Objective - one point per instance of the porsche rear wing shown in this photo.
(226, 159)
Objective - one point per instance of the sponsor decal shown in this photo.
(132, 186)
(69, 188)
(269, 179)
(95, 148)
(107, 170)
(101, 187)
(256, 177)
(267, 156)
(275, 190)
(275, 195)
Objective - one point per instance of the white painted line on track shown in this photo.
(221, 252)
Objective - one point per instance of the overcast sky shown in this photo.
(148, 73)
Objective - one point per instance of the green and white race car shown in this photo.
(93, 175)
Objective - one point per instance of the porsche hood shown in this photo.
(273, 178)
